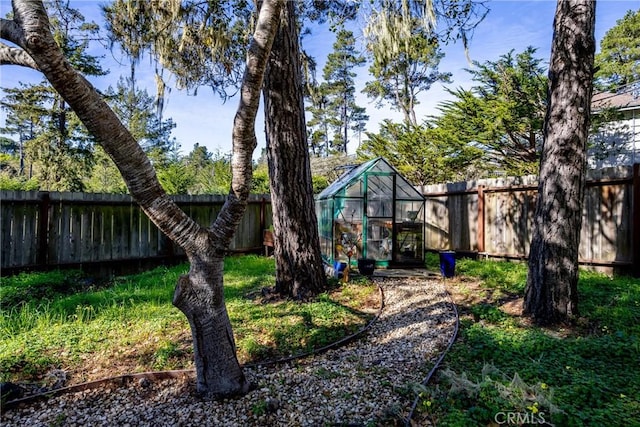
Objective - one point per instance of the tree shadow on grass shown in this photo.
(589, 371)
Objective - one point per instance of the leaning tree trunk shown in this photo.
(551, 292)
(299, 270)
(198, 294)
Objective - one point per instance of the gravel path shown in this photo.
(367, 382)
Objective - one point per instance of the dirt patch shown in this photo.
(467, 292)
(513, 307)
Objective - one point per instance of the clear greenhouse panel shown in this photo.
(373, 212)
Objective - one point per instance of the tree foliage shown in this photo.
(502, 114)
(423, 154)
(618, 63)
(201, 44)
(405, 69)
(136, 110)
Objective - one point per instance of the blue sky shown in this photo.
(206, 120)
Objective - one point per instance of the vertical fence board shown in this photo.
(106, 233)
(5, 228)
(86, 231)
(134, 232)
(55, 230)
(15, 231)
(75, 226)
(145, 238)
(30, 240)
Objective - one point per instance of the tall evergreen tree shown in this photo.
(404, 70)
(25, 108)
(137, 111)
(299, 268)
(340, 87)
(551, 292)
(318, 123)
(618, 63)
(502, 114)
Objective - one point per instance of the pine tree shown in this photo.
(403, 66)
(618, 63)
(340, 88)
(51, 136)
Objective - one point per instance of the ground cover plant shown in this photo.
(504, 370)
(62, 322)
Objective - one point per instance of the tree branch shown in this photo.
(11, 31)
(16, 56)
(244, 133)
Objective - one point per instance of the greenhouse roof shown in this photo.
(378, 165)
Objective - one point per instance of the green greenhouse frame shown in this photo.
(372, 212)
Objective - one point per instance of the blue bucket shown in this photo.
(447, 263)
(339, 268)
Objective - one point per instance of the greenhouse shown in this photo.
(371, 214)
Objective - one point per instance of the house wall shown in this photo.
(620, 140)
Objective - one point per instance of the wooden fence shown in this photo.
(494, 218)
(486, 217)
(41, 229)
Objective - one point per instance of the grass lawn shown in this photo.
(61, 320)
(502, 370)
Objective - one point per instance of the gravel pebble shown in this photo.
(368, 382)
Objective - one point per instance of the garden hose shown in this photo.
(181, 373)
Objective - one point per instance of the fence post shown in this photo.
(635, 224)
(263, 215)
(480, 236)
(43, 230)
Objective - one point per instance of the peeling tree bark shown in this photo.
(551, 294)
(199, 294)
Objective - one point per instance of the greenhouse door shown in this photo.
(379, 218)
(409, 233)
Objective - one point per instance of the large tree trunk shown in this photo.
(551, 292)
(200, 293)
(299, 270)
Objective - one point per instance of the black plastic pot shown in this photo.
(366, 266)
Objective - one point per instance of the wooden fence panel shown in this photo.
(19, 219)
(453, 213)
(437, 223)
(47, 229)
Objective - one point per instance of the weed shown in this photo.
(326, 374)
(259, 408)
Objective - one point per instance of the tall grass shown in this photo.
(129, 324)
